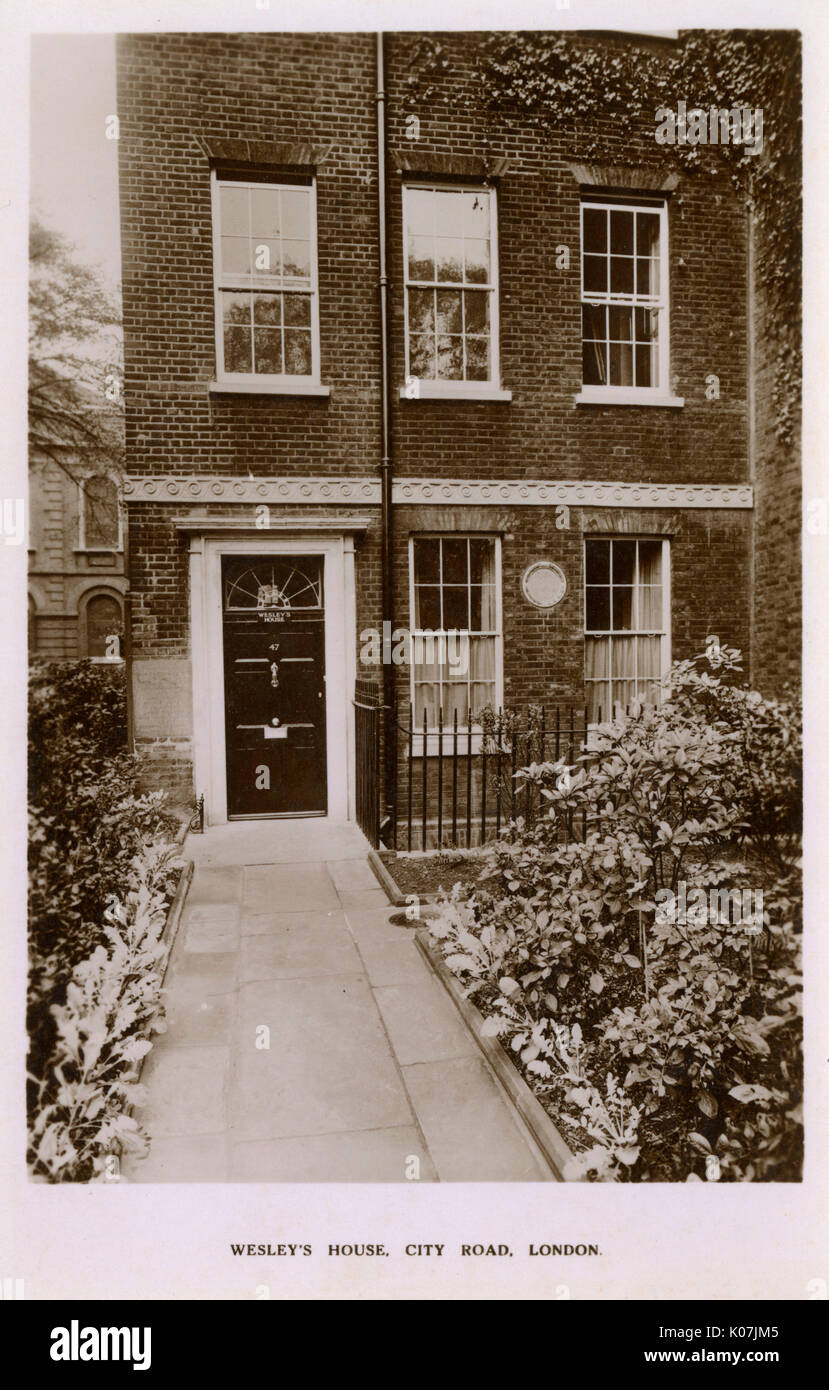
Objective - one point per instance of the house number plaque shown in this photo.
(544, 584)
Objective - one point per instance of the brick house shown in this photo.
(520, 449)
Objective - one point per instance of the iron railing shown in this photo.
(367, 724)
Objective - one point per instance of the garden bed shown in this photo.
(427, 874)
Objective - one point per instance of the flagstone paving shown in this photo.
(307, 1039)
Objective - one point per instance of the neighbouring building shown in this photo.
(545, 476)
(77, 581)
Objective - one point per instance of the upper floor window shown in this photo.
(624, 291)
(100, 514)
(626, 623)
(451, 289)
(456, 628)
(265, 271)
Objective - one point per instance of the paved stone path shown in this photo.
(286, 929)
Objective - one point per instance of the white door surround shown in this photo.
(206, 642)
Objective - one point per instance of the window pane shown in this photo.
(449, 258)
(455, 606)
(297, 352)
(422, 311)
(597, 657)
(476, 310)
(268, 350)
(647, 276)
(296, 214)
(421, 258)
(647, 233)
(449, 211)
(621, 233)
(237, 349)
(482, 561)
(426, 702)
(624, 561)
(594, 364)
(449, 311)
(450, 359)
(650, 562)
(455, 697)
(426, 560)
(422, 355)
(264, 213)
(595, 274)
(594, 321)
(597, 562)
(621, 364)
(623, 657)
(267, 308)
(621, 275)
(621, 323)
(650, 607)
(597, 609)
(427, 607)
(646, 366)
(650, 658)
(266, 257)
(595, 229)
(622, 609)
(482, 607)
(477, 359)
(296, 260)
(477, 261)
(235, 255)
(233, 204)
(482, 659)
(235, 308)
(598, 701)
(476, 213)
(455, 561)
(297, 310)
(420, 211)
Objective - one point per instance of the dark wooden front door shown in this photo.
(274, 654)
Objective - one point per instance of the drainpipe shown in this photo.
(386, 467)
(752, 434)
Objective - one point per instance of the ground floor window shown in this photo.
(104, 628)
(455, 627)
(626, 622)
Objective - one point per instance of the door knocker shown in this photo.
(274, 674)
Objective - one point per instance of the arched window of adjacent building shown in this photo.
(104, 627)
(100, 514)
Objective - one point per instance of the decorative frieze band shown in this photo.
(522, 492)
(527, 492)
(219, 489)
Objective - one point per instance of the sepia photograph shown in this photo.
(413, 550)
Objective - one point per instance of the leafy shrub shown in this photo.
(687, 1027)
(89, 827)
(82, 1115)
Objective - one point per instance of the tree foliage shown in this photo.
(75, 405)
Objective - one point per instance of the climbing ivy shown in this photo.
(605, 92)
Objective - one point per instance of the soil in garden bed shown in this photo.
(425, 874)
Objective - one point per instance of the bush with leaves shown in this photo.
(689, 1024)
(88, 824)
(101, 1032)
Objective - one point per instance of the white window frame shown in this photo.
(264, 381)
(664, 634)
(661, 303)
(98, 549)
(418, 388)
(472, 744)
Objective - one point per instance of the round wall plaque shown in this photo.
(544, 584)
